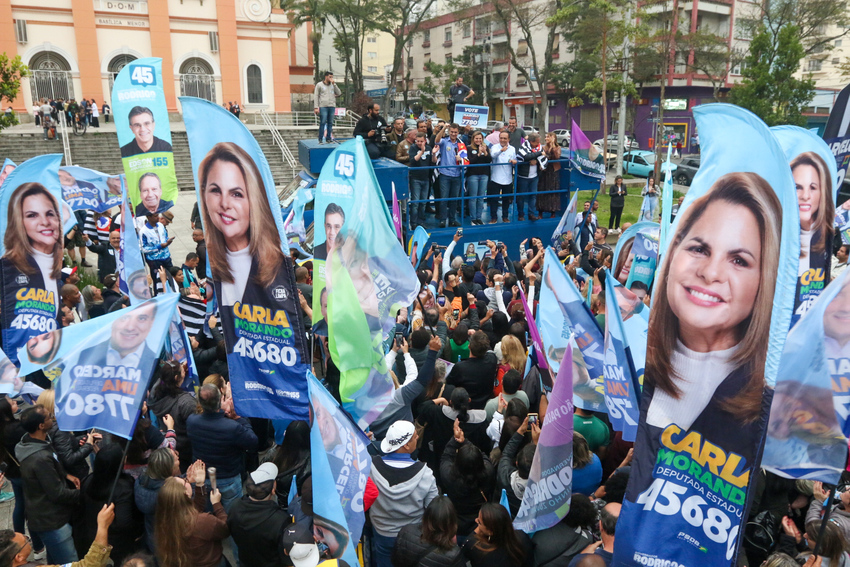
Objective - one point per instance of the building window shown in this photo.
(372, 69)
(522, 48)
(467, 29)
(426, 36)
(425, 60)
(373, 55)
(371, 40)
(448, 58)
(744, 28)
(591, 119)
(255, 84)
(448, 33)
(51, 76)
(835, 60)
(196, 79)
(409, 62)
(814, 65)
(115, 66)
(837, 43)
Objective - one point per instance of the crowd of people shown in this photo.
(47, 112)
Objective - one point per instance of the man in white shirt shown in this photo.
(839, 260)
(501, 177)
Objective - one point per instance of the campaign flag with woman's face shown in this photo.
(816, 181)
(144, 134)
(564, 321)
(253, 276)
(361, 278)
(547, 495)
(8, 167)
(33, 224)
(622, 392)
(721, 309)
(344, 450)
(103, 365)
(87, 189)
(808, 428)
(567, 223)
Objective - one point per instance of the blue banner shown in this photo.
(567, 223)
(840, 149)
(144, 134)
(565, 323)
(254, 278)
(644, 255)
(808, 427)
(621, 384)
(721, 310)
(623, 254)
(132, 276)
(345, 447)
(32, 251)
(87, 189)
(472, 116)
(417, 243)
(816, 180)
(104, 365)
(8, 167)
(546, 499)
(363, 274)
(10, 383)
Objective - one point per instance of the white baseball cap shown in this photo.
(398, 435)
(264, 473)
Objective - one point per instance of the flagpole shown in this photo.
(120, 470)
(825, 519)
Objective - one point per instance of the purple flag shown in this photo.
(396, 214)
(535, 334)
(586, 157)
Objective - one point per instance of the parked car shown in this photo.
(686, 171)
(630, 143)
(562, 136)
(494, 125)
(642, 164)
(528, 129)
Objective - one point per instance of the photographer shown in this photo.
(374, 129)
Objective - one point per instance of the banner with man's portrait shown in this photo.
(103, 365)
(254, 277)
(721, 309)
(87, 189)
(144, 134)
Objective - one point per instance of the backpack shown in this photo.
(762, 531)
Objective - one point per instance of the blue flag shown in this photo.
(623, 253)
(340, 468)
(30, 291)
(816, 177)
(808, 427)
(644, 255)
(567, 222)
(254, 278)
(546, 499)
(87, 189)
(8, 167)
(362, 275)
(565, 322)
(132, 277)
(621, 393)
(104, 365)
(417, 243)
(666, 205)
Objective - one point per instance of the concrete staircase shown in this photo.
(99, 150)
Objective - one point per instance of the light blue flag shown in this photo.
(418, 242)
(340, 469)
(132, 277)
(179, 348)
(808, 427)
(104, 365)
(808, 153)
(8, 167)
(626, 240)
(260, 316)
(547, 495)
(503, 500)
(644, 254)
(635, 318)
(30, 303)
(621, 394)
(10, 384)
(666, 205)
(294, 226)
(568, 222)
(566, 323)
(362, 271)
(293, 490)
(87, 189)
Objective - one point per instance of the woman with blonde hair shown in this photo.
(31, 265)
(513, 357)
(710, 325)
(185, 534)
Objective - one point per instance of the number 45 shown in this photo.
(142, 75)
(344, 165)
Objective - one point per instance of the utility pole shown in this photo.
(621, 122)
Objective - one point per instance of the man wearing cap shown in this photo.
(221, 441)
(405, 488)
(257, 520)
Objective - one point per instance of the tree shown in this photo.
(301, 12)
(769, 88)
(523, 21)
(11, 73)
(819, 22)
(349, 19)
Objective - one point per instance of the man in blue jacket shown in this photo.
(221, 441)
